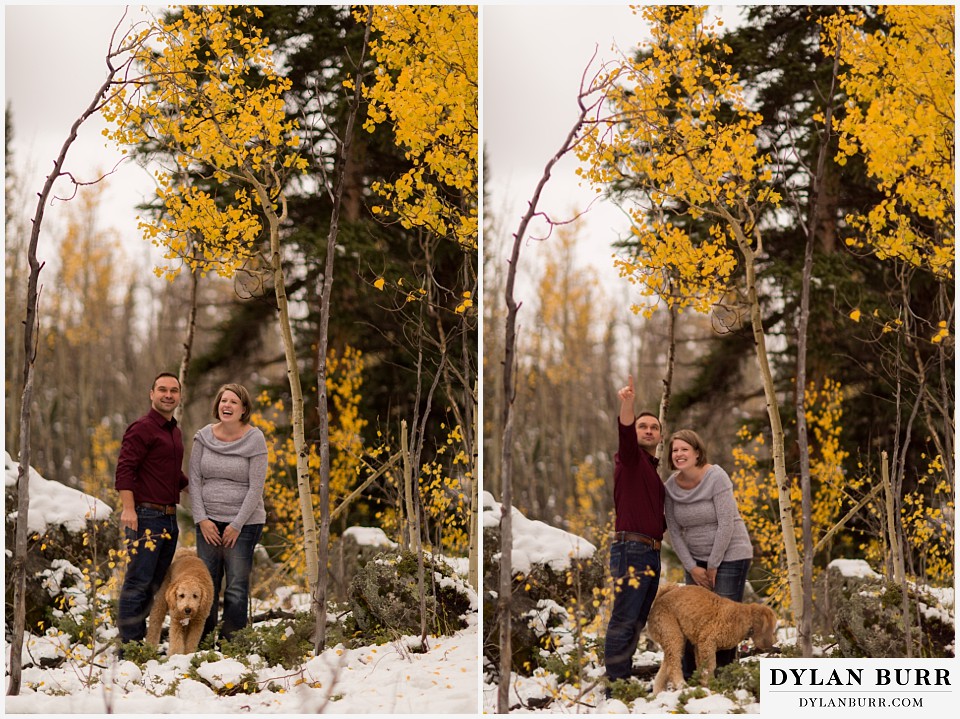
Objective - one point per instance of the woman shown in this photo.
(705, 526)
(228, 468)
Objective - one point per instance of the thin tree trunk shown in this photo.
(668, 378)
(410, 537)
(509, 395)
(191, 333)
(473, 552)
(30, 331)
(776, 427)
(320, 588)
(896, 552)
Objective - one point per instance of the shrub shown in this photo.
(287, 642)
(385, 597)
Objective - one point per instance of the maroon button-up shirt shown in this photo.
(638, 493)
(151, 460)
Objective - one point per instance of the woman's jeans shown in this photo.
(235, 563)
(635, 568)
(150, 552)
(730, 582)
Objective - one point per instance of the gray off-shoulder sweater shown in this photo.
(227, 478)
(704, 522)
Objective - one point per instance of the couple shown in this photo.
(228, 468)
(696, 504)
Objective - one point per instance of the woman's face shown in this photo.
(230, 408)
(684, 456)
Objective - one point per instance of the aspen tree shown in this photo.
(210, 93)
(900, 116)
(426, 88)
(680, 130)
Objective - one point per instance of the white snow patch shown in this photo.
(369, 536)
(52, 503)
(535, 542)
(853, 568)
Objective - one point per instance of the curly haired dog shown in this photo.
(707, 621)
(187, 594)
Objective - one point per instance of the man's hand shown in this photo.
(626, 395)
(128, 518)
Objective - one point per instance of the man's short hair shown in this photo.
(647, 414)
(164, 374)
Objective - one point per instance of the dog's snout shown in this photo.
(187, 610)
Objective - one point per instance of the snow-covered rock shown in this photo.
(52, 503)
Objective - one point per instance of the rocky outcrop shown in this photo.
(865, 613)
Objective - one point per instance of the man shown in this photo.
(638, 497)
(149, 478)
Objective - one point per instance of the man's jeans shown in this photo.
(150, 551)
(730, 583)
(635, 568)
(235, 562)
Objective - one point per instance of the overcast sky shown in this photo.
(53, 66)
(533, 60)
(534, 57)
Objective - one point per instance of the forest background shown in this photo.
(880, 340)
(402, 333)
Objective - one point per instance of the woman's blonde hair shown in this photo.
(241, 392)
(691, 438)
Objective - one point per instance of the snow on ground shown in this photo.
(54, 503)
(535, 542)
(386, 679)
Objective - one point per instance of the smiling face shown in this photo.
(683, 455)
(230, 407)
(165, 395)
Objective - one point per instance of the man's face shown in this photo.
(648, 432)
(165, 396)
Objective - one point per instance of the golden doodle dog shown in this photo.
(709, 622)
(187, 594)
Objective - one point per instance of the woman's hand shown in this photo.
(702, 577)
(230, 536)
(210, 534)
(712, 577)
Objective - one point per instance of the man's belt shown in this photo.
(636, 537)
(165, 508)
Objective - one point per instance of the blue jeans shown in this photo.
(730, 583)
(635, 568)
(235, 563)
(148, 563)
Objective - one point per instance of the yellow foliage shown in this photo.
(928, 526)
(426, 88)
(344, 381)
(900, 117)
(756, 491)
(99, 467)
(211, 95)
(680, 130)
